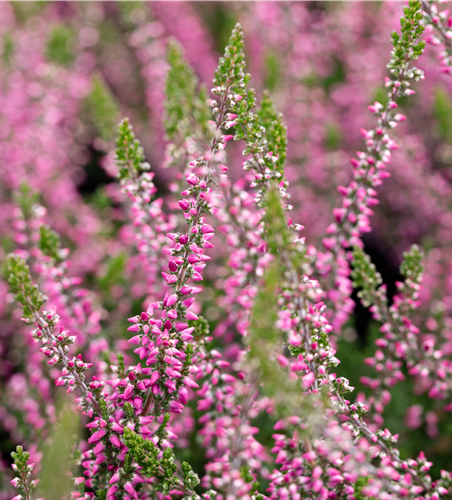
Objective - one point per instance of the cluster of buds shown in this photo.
(165, 344)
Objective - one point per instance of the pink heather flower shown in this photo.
(191, 316)
(112, 490)
(131, 490)
(308, 380)
(192, 179)
(206, 229)
(172, 299)
(175, 407)
(184, 205)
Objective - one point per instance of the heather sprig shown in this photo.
(55, 345)
(149, 221)
(23, 469)
(187, 111)
(26, 292)
(25, 199)
(275, 130)
(129, 154)
(158, 336)
(167, 385)
(365, 276)
(49, 243)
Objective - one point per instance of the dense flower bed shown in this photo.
(205, 294)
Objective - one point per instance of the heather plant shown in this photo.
(225, 380)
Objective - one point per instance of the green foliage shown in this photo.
(411, 266)
(202, 328)
(161, 432)
(267, 112)
(164, 469)
(381, 95)
(272, 71)
(263, 334)
(129, 411)
(57, 460)
(59, 45)
(126, 9)
(8, 49)
(101, 494)
(25, 10)
(189, 478)
(103, 108)
(359, 485)
(49, 243)
(186, 106)
(442, 110)
(25, 199)
(365, 276)
(26, 292)
(278, 235)
(336, 75)
(114, 271)
(411, 28)
(275, 131)
(229, 73)
(249, 128)
(248, 477)
(121, 366)
(332, 136)
(220, 20)
(129, 153)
